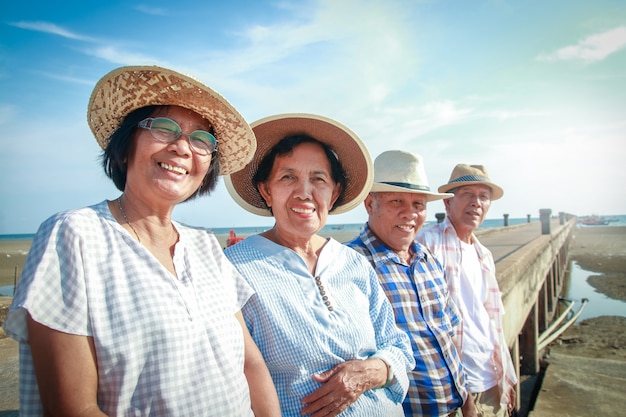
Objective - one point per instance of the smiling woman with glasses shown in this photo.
(120, 310)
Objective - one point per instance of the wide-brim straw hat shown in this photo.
(464, 174)
(128, 88)
(403, 172)
(351, 151)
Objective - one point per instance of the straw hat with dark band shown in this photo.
(464, 174)
(128, 88)
(352, 153)
(403, 172)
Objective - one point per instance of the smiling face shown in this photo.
(468, 208)
(300, 190)
(396, 218)
(167, 173)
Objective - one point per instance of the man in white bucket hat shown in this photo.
(471, 275)
(414, 283)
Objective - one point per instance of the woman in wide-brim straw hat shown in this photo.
(122, 311)
(324, 326)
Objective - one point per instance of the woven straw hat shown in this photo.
(464, 174)
(402, 172)
(351, 151)
(128, 88)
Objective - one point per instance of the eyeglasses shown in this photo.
(167, 131)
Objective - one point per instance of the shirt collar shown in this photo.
(382, 253)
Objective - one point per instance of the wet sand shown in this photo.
(12, 257)
(586, 365)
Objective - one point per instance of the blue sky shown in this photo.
(533, 90)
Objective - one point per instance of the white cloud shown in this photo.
(47, 27)
(69, 79)
(445, 112)
(154, 11)
(121, 57)
(593, 48)
(7, 112)
(336, 38)
(509, 114)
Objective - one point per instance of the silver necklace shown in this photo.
(119, 204)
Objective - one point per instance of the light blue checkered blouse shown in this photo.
(301, 333)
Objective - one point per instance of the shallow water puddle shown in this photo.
(6, 290)
(577, 288)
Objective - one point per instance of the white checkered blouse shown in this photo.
(165, 346)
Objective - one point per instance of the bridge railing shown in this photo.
(531, 282)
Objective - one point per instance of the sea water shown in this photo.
(356, 227)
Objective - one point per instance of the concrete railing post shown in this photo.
(544, 216)
(528, 218)
(506, 220)
(561, 218)
(440, 217)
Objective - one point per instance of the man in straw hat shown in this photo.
(319, 316)
(414, 283)
(121, 310)
(471, 275)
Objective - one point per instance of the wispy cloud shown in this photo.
(329, 35)
(445, 112)
(51, 28)
(66, 78)
(400, 125)
(510, 114)
(6, 113)
(593, 48)
(122, 57)
(151, 10)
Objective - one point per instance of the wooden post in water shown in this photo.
(17, 268)
(506, 219)
(528, 218)
(440, 217)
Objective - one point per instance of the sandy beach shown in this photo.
(593, 348)
(12, 257)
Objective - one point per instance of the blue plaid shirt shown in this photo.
(425, 311)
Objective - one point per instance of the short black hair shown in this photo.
(115, 155)
(286, 146)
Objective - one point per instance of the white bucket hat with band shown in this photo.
(464, 174)
(128, 88)
(402, 172)
(349, 148)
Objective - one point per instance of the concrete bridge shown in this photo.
(531, 263)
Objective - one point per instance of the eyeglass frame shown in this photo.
(147, 125)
